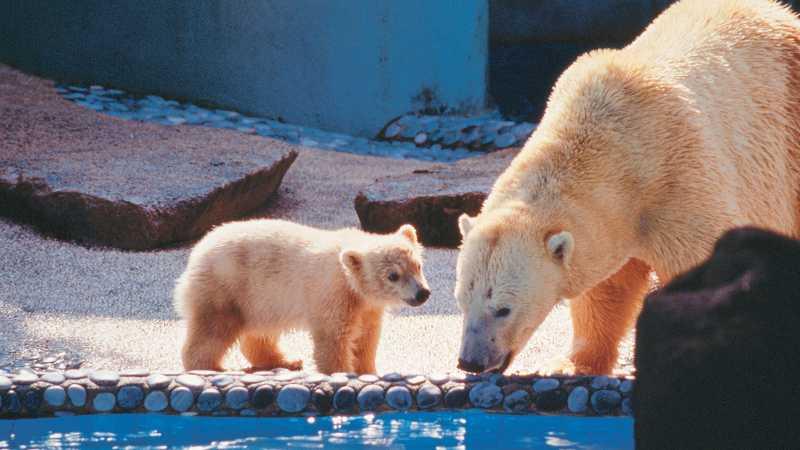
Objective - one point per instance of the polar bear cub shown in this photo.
(252, 280)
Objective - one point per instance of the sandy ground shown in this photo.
(114, 308)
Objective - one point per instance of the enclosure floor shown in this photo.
(113, 309)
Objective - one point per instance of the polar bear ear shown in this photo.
(409, 232)
(465, 224)
(351, 260)
(560, 246)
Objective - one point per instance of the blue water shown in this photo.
(449, 430)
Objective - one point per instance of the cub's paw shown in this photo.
(297, 364)
(558, 366)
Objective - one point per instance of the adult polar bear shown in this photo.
(644, 157)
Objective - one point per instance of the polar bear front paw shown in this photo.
(557, 366)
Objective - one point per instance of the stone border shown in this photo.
(286, 393)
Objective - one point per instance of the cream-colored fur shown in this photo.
(644, 157)
(252, 280)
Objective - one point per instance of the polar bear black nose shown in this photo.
(422, 295)
(469, 366)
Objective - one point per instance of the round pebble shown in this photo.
(236, 398)
(368, 378)
(263, 396)
(55, 396)
(545, 384)
(551, 400)
(25, 378)
(392, 131)
(158, 381)
(439, 378)
(104, 377)
(317, 378)
(130, 396)
(287, 376)
(77, 395)
(505, 140)
(155, 401)
(75, 374)
(54, 377)
(134, 373)
(344, 399)
(104, 402)
(209, 400)
(223, 380)
(455, 397)
(600, 382)
(5, 384)
(181, 399)
(370, 397)
(627, 407)
(251, 379)
(578, 399)
(517, 401)
(193, 382)
(293, 398)
(393, 377)
(428, 396)
(626, 387)
(399, 397)
(485, 395)
(605, 400)
(339, 381)
(416, 379)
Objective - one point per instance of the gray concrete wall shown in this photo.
(347, 66)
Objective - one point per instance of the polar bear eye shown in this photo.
(393, 277)
(502, 312)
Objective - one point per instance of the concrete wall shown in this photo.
(348, 66)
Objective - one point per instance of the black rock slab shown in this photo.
(718, 350)
(431, 199)
(139, 200)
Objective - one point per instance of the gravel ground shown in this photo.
(63, 304)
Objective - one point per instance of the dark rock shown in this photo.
(716, 349)
(485, 395)
(263, 396)
(344, 399)
(455, 397)
(399, 397)
(209, 400)
(431, 200)
(293, 398)
(554, 400)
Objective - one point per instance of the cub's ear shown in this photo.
(351, 260)
(560, 246)
(465, 224)
(409, 232)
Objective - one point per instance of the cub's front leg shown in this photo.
(367, 337)
(333, 345)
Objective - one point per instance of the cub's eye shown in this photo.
(502, 312)
(393, 277)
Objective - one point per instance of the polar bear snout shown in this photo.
(479, 353)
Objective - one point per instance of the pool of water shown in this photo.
(447, 430)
